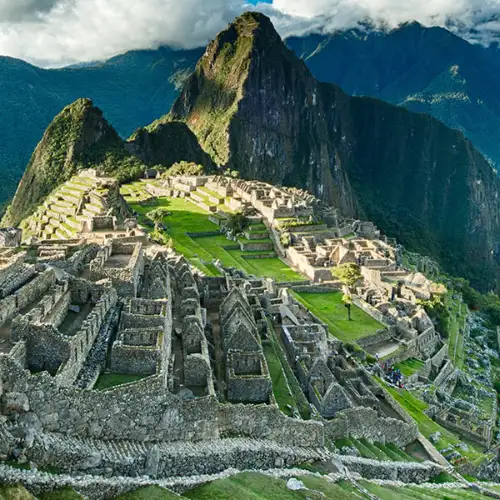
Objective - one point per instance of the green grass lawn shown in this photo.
(148, 493)
(415, 407)
(410, 366)
(107, 380)
(187, 217)
(254, 486)
(280, 387)
(418, 493)
(329, 308)
(376, 451)
(65, 493)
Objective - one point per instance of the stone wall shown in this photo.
(370, 310)
(439, 357)
(445, 372)
(102, 222)
(365, 423)
(134, 359)
(125, 279)
(35, 289)
(406, 472)
(143, 411)
(267, 422)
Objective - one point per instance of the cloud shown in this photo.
(477, 19)
(83, 30)
(59, 32)
(24, 10)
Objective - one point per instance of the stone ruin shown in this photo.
(247, 374)
(196, 393)
(10, 237)
(87, 203)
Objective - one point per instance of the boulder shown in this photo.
(15, 402)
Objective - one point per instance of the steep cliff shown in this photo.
(425, 69)
(256, 108)
(166, 144)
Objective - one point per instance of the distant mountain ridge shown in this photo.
(132, 89)
(424, 69)
(427, 70)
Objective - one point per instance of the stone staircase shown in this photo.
(132, 458)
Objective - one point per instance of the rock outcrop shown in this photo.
(79, 138)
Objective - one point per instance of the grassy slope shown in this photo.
(410, 366)
(189, 218)
(415, 407)
(253, 486)
(329, 308)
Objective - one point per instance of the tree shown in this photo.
(184, 168)
(232, 173)
(347, 300)
(236, 223)
(157, 216)
(349, 274)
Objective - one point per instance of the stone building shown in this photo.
(10, 237)
(122, 263)
(247, 374)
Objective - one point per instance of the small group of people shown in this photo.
(394, 376)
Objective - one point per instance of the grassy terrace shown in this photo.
(280, 387)
(415, 407)
(329, 308)
(376, 451)
(189, 218)
(108, 380)
(410, 366)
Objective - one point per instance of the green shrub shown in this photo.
(184, 168)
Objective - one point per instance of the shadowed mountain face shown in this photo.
(424, 69)
(256, 108)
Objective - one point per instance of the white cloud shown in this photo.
(82, 30)
(58, 32)
(464, 16)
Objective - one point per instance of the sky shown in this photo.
(53, 33)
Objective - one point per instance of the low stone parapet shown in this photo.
(406, 472)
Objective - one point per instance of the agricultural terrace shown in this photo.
(329, 308)
(416, 407)
(187, 217)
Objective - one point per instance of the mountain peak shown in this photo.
(77, 136)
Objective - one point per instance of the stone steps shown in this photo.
(70, 198)
(63, 210)
(81, 218)
(60, 203)
(129, 457)
(74, 223)
(75, 186)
